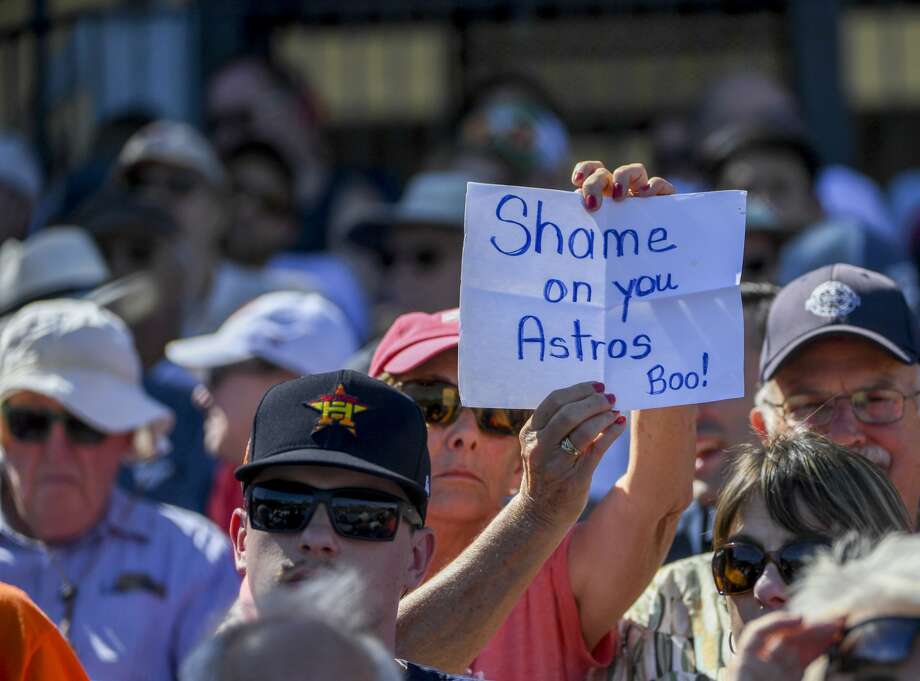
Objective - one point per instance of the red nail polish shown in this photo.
(617, 190)
(590, 202)
(598, 387)
(620, 420)
(611, 398)
(579, 176)
(645, 188)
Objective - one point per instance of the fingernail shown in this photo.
(590, 202)
(644, 188)
(620, 420)
(598, 387)
(611, 398)
(579, 176)
(617, 190)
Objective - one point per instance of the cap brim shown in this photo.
(773, 365)
(336, 459)
(206, 352)
(419, 353)
(102, 401)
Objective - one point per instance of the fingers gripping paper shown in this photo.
(642, 295)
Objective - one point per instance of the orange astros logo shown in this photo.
(338, 409)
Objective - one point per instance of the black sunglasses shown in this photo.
(355, 512)
(881, 641)
(440, 404)
(737, 565)
(28, 424)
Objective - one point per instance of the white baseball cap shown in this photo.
(176, 144)
(56, 261)
(82, 356)
(301, 332)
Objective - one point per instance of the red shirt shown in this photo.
(226, 495)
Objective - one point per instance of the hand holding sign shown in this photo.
(640, 293)
(557, 480)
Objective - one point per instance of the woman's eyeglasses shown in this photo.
(355, 513)
(882, 641)
(28, 424)
(440, 404)
(737, 565)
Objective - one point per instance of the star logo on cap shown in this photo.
(832, 299)
(337, 409)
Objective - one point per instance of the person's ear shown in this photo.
(238, 537)
(422, 552)
(759, 422)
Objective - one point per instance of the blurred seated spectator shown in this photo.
(252, 97)
(140, 241)
(276, 337)
(132, 585)
(904, 196)
(856, 609)
(20, 186)
(320, 627)
(56, 262)
(265, 226)
(845, 193)
(782, 502)
(31, 648)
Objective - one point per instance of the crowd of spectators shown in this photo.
(232, 444)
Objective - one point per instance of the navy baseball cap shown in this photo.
(838, 299)
(342, 419)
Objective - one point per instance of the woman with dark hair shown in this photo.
(782, 502)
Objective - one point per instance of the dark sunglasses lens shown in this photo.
(880, 642)
(82, 433)
(439, 402)
(26, 425)
(736, 568)
(794, 557)
(365, 519)
(276, 511)
(501, 421)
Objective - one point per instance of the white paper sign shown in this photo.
(642, 295)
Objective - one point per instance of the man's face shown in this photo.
(234, 397)
(724, 424)
(472, 472)
(423, 267)
(840, 365)
(389, 568)
(780, 179)
(60, 488)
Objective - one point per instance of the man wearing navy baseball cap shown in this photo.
(337, 477)
(840, 357)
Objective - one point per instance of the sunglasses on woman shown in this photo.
(28, 424)
(737, 565)
(355, 512)
(440, 404)
(882, 641)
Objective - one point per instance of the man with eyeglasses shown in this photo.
(336, 478)
(132, 585)
(517, 590)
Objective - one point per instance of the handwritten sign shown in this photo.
(642, 295)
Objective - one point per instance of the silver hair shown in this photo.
(330, 601)
(858, 576)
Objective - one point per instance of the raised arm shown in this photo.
(616, 552)
(447, 621)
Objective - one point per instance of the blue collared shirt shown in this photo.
(151, 580)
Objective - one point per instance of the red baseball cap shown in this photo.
(415, 338)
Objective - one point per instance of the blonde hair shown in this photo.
(810, 485)
(858, 576)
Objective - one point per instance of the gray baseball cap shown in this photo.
(838, 299)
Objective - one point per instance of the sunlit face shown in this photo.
(423, 267)
(770, 592)
(234, 399)
(840, 365)
(472, 473)
(389, 568)
(724, 424)
(59, 489)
